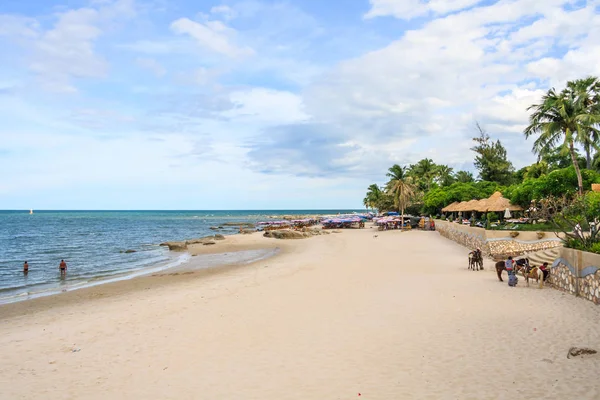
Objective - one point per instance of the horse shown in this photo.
(475, 260)
(501, 266)
(529, 272)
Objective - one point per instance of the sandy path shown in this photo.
(396, 317)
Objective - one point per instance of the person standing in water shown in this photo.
(63, 267)
(25, 268)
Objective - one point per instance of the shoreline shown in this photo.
(194, 263)
(390, 315)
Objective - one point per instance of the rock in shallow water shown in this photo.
(175, 246)
(284, 234)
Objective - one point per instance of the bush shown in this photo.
(493, 217)
(595, 248)
(574, 244)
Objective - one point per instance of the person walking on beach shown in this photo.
(512, 277)
(63, 267)
(25, 268)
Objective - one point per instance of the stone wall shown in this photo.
(465, 235)
(496, 244)
(578, 273)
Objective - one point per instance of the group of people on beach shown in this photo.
(62, 267)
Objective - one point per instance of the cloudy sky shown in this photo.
(197, 104)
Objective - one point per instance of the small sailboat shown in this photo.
(31, 211)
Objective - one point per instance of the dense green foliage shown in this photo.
(556, 183)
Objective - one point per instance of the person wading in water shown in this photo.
(63, 267)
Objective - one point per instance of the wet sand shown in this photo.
(393, 317)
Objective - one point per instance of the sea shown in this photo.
(94, 245)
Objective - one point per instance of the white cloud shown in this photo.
(226, 12)
(18, 26)
(66, 50)
(152, 65)
(266, 106)
(436, 81)
(212, 35)
(408, 9)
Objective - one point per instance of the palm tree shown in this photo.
(464, 177)
(561, 120)
(373, 197)
(587, 94)
(425, 171)
(445, 175)
(401, 187)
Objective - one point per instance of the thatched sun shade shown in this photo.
(451, 207)
(496, 203)
(470, 205)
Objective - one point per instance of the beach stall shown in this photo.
(343, 223)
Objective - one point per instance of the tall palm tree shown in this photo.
(586, 93)
(464, 177)
(401, 187)
(561, 120)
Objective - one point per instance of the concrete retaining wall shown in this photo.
(496, 244)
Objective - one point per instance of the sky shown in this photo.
(260, 104)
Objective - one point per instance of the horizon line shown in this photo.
(232, 209)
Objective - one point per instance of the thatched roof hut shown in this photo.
(450, 207)
(467, 205)
(496, 203)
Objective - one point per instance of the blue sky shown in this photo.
(134, 104)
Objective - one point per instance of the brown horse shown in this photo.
(501, 266)
(475, 260)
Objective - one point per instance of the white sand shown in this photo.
(393, 317)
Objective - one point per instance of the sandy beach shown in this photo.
(340, 316)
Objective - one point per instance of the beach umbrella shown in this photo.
(507, 213)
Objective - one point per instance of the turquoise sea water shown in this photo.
(92, 243)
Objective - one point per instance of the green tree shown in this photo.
(445, 175)
(491, 160)
(587, 94)
(558, 159)
(434, 200)
(423, 173)
(401, 187)
(558, 183)
(464, 177)
(373, 197)
(536, 170)
(562, 120)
